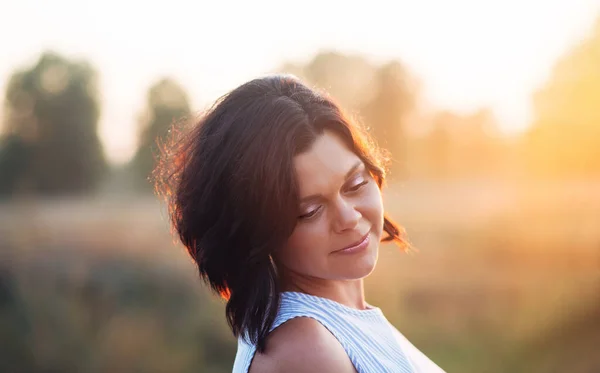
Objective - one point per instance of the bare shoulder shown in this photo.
(302, 345)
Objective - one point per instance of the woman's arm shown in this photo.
(302, 345)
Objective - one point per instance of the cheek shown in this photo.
(372, 208)
(306, 245)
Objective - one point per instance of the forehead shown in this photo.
(327, 161)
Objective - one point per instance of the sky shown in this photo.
(467, 53)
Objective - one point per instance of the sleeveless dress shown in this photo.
(372, 343)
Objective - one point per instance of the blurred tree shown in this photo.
(463, 145)
(50, 143)
(565, 142)
(395, 97)
(439, 146)
(167, 102)
(565, 136)
(347, 78)
(14, 160)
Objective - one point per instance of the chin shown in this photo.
(362, 266)
(369, 266)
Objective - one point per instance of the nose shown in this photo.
(347, 217)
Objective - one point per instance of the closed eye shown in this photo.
(358, 186)
(310, 214)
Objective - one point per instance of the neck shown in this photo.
(347, 292)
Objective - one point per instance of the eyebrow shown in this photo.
(348, 174)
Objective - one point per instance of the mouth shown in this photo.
(358, 245)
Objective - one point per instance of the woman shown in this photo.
(276, 195)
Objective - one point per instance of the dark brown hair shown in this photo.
(232, 195)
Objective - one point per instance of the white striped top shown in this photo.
(372, 343)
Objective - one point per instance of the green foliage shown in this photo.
(75, 313)
(167, 102)
(15, 356)
(51, 145)
(570, 345)
(499, 284)
(15, 156)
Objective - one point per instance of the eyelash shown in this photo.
(310, 214)
(358, 186)
(353, 189)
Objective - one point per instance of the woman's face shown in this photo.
(340, 204)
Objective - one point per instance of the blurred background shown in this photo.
(490, 109)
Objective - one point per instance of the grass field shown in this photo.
(98, 284)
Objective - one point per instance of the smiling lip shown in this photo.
(358, 246)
